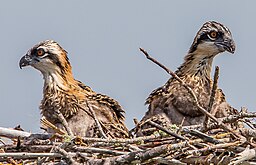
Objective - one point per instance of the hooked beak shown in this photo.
(227, 45)
(27, 60)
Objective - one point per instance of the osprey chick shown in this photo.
(71, 97)
(172, 102)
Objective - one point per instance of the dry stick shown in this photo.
(181, 125)
(142, 156)
(70, 133)
(213, 147)
(233, 118)
(121, 140)
(212, 97)
(25, 155)
(1, 141)
(68, 158)
(11, 133)
(98, 150)
(203, 136)
(45, 159)
(214, 88)
(96, 121)
(48, 124)
(152, 152)
(247, 154)
(191, 92)
(148, 154)
(64, 122)
(227, 119)
(161, 160)
(165, 130)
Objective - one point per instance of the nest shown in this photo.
(174, 145)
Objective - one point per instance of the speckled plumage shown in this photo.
(71, 97)
(172, 101)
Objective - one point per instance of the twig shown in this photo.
(44, 159)
(11, 133)
(181, 125)
(161, 160)
(48, 124)
(247, 132)
(64, 122)
(25, 155)
(96, 121)
(192, 94)
(98, 150)
(247, 154)
(166, 130)
(68, 158)
(214, 89)
(1, 141)
(212, 97)
(116, 141)
(203, 136)
(213, 147)
(148, 154)
(233, 118)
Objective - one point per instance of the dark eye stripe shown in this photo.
(55, 60)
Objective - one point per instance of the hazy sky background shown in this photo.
(102, 39)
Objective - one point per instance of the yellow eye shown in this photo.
(213, 34)
(40, 52)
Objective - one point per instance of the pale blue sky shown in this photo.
(102, 39)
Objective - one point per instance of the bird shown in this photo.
(172, 102)
(80, 106)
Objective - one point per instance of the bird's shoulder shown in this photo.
(104, 100)
(161, 91)
(110, 102)
(86, 88)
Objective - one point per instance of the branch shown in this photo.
(203, 136)
(233, 118)
(214, 89)
(192, 94)
(96, 121)
(98, 150)
(120, 140)
(166, 130)
(11, 133)
(247, 154)
(48, 124)
(64, 122)
(25, 155)
(68, 158)
(214, 147)
(212, 97)
(148, 154)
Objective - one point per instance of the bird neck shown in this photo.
(197, 65)
(57, 80)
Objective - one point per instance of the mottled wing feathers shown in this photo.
(105, 100)
(84, 87)
(159, 91)
(153, 94)
(111, 103)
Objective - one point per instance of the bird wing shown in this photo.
(107, 110)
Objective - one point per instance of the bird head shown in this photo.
(47, 56)
(212, 39)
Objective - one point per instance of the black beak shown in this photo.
(25, 61)
(227, 45)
